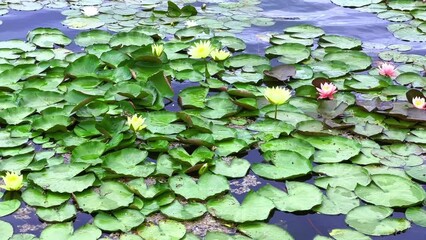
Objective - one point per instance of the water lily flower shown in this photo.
(90, 11)
(191, 23)
(157, 50)
(387, 70)
(219, 55)
(136, 123)
(277, 96)
(419, 102)
(12, 181)
(201, 49)
(326, 91)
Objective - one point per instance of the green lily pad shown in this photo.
(16, 163)
(354, 59)
(235, 168)
(375, 220)
(417, 172)
(85, 39)
(63, 178)
(223, 236)
(391, 191)
(15, 115)
(179, 211)
(193, 97)
(165, 230)
(8, 207)
(347, 234)
(123, 220)
(147, 191)
(333, 148)
(340, 41)
(132, 38)
(298, 197)
(200, 154)
(286, 165)
(292, 144)
(244, 60)
(416, 215)
(110, 196)
(338, 201)
(65, 231)
(332, 69)
(127, 162)
(304, 31)
(254, 207)
(341, 175)
(261, 230)
(38, 197)
(60, 213)
(207, 185)
(83, 23)
(6, 230)
(290, 52)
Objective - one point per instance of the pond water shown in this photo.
(322, 13)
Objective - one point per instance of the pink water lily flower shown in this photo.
(387, 70)
(419, 102)
(326, 91)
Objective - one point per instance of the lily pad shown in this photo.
(165, 230)
(8, 207)
(391, 191)
(6, 230)
(180, 211)
(264, 231)
(375, 220)
(338, 201)
(123, 219)
(286, 165)
(254, 207)
(109, 196)
(341, 175)
(416, 215)
(207, 185)
(298, 197)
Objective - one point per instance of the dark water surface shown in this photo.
(322, 13)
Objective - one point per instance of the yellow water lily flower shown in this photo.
(12, 181)
(277, 95)
(220, 55)
(136, 123)
(201, 49)
(157, 50)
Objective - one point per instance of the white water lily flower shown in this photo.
(191, 23)
(90, 11)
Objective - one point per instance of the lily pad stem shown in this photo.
(207, 75)
(276, 110)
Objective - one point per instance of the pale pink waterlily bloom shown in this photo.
(419, 102)
(326, 91)
(387, 70)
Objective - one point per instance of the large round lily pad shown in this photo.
(286, 164)
(254, 207)
(391, 191)
(375, 220)
(207, 185)
(109, 196)
(298, 197)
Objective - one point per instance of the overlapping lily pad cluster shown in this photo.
(408, 16)
(225, 17)
(64, 126)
